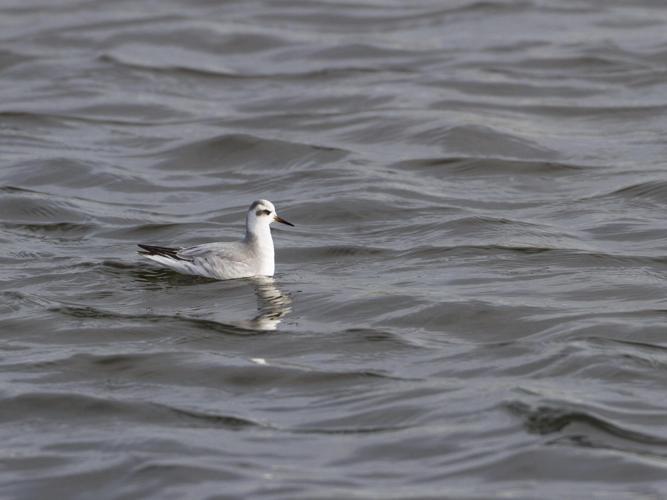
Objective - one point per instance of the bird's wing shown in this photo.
(227, 251)
(228, 260)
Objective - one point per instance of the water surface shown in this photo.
(472, 304)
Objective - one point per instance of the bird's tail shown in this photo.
(154, 251)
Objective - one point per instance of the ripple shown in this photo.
(226, 152)
(483, 141)
(335, 251)
(86, 408)
(444, 167)
(653, 190)
(550, 420)
(145, 56)
(54, 231)
(32, 208)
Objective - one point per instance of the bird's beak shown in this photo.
(280, 219)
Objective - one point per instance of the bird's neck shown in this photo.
(259, 236)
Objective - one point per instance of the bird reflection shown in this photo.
(272, 304)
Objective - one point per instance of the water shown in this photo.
(472, 304)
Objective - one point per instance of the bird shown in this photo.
(250, 257)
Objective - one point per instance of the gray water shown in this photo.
(473, 302)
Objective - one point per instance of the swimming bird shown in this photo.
(252, 256)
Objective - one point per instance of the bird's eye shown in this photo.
(266, 212)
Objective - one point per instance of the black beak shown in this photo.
(280, 219)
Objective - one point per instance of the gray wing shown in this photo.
(220, 260)
(229, 250)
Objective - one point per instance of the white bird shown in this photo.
(252, 256)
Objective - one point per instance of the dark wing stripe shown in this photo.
(171, 253)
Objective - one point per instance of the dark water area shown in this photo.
(473, 303)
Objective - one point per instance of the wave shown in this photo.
(550, 419)
(444, 166)
(652, 190)
(39, 406)
(229, 151)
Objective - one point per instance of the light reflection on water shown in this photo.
(272, 304)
